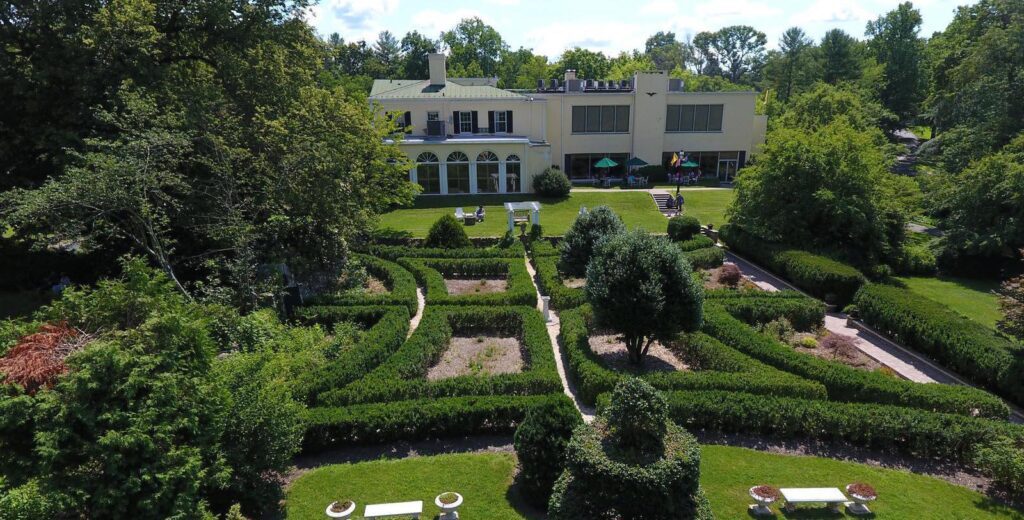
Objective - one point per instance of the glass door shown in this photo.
(727, 170)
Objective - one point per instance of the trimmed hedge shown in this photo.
(400, 282)
(845, 383)
(760, 307)
(549, 281)
(695, 243)
(379, 342)
(543, 247)
(420, 419)
(516, 250)
(683, 227)
(431, 272)
(403, 375)
(965, 346)
(877, 426)
(706, 258)
(828, 279)
(719, 367)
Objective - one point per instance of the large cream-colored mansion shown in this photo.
(468, 136)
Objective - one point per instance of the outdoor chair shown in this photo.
(459, 214)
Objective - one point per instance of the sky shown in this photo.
(551, 26)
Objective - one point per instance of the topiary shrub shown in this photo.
(577, 247)
(540, 444)
(683, 227)
(447, 233)
(641, 286)
(609, 475)
(552, 182)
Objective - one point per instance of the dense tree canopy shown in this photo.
(894, 40)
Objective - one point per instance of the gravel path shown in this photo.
(421, 303)
(554, 328)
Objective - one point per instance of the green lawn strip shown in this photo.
(972, 298)
(708, 205)
(483, 481)
(726, 475)
(556, 215)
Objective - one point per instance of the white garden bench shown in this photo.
(832, 497)
(414, 508)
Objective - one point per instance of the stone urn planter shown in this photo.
(449, 504)
(861, 494)
(764, 496)
(341, 509)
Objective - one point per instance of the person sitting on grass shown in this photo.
(480, 213)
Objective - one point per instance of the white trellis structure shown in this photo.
(521, 212)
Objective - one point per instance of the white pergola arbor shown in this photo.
(518, 211)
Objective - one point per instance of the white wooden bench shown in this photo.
(414, 508)
(832, 497)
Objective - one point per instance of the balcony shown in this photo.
(436, 129)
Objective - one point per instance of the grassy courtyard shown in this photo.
(975, 299)
(727, 473)
(637, 209)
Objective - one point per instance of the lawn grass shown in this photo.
(973, 298)
(556, 215)
(727, 473)
(922, 132)
(483, 480)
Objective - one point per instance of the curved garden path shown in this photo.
(554, 328)
(421, 303)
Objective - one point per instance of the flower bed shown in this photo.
(720, 367)
(431, 274)
(962, 345)
(845, 383)
(403, 375)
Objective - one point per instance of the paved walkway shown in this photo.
(554, 327)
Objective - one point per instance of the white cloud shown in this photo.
(353, 19)
(832, 12)
(504, 2)
(609, 37)
(660, 8)
(722, 12)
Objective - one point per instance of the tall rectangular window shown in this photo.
(600, 119)
(501, 121)
(694, 118)
(466, 122)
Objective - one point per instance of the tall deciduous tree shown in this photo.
(894, 40)
(665, 51)
(473, 41)
(586, 63)
(793, 67)
(415, 47)
(741, 51)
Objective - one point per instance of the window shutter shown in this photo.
(476, 123)
(490, 121)
(508, 121)
(456, 122)
(408, 122)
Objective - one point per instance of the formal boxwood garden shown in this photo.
(431, 273)
(400, 283)
(550, 283)
(705, 258)
(394, 252)
(845, 383)
(403, 375)
(718, 366)
(760, 307)
(963, 345)
(828, 279)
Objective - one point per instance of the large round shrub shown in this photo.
(447, 232)
(540, 444)
(642, 287)
(589, 228)
(607, 475)
(683, 227)
(552, 182)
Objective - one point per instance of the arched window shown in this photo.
(487, 180)
(428, 172)
(513, 168)
(457, 166)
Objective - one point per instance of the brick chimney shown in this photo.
(438, 74)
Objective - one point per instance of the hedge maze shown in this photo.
(379, 390)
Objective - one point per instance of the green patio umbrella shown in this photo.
(606, 163)
(689, 164)
(636, 161)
